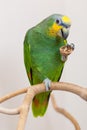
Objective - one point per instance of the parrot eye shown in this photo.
(58, 21)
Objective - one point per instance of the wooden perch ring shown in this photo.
(23, 109)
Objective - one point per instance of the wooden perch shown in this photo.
(64, 112)
(39, 88)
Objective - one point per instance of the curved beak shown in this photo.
(64, 32)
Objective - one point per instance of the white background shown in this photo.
(16, 17)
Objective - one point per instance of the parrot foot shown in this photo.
(66, 50)
(47, 83)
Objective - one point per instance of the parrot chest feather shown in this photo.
(45, 58)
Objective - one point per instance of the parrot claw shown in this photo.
(71, 45)
(66, 50)
(47, 83)
(64, 58)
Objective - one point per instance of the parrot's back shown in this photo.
(42, 60)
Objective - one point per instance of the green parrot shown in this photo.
(42, 57)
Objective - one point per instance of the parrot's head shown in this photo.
(57, 25)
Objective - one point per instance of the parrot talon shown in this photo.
(64, 58)
(66, 50)
(71, 46)
(47, 83)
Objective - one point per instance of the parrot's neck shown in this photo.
(44, 33)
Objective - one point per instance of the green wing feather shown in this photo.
(40, 101)
(27, 59)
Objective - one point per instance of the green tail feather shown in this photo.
(40, 103)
